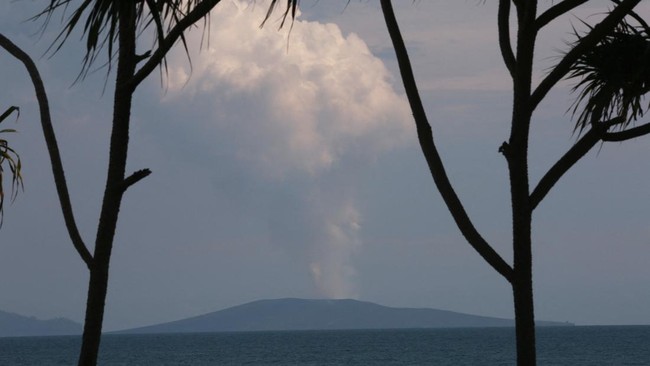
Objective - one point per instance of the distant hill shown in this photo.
(299, 314)
(14, 325)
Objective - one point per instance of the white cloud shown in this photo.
(313, 103)
(319, 94)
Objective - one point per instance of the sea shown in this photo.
(575, 346)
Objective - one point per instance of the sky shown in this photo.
(286, 165)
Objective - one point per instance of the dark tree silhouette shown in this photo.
(611, 60)
(112, 26)
(612, 107)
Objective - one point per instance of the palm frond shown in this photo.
(9, 157)
(614, 77)
(98, 20)
(291, 9)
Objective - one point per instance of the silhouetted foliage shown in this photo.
(100, 27)
(289, 11)
(9, 157)
(614, 77)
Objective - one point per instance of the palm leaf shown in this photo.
(614, 77)
(291, 9)
(9, 157)
(99, 22)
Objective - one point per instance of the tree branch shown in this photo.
(199, 11)
(587, 42)
(575, 153)
(569, 159)
(556, 11)
(52, 147)
(627, 134)
(434, 162)
(134, 178)
(504, 36)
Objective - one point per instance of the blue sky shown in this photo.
(288, 167)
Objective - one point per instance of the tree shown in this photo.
(12, 160)
(610, 102)
(112, 26)
(612, 61)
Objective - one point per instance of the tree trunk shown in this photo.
(115, 186)
(524, 320)
(516, 153)
(97, 287)
(522, 283)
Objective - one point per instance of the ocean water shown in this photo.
(576, 346)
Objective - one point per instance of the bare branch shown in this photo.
(430, 151)
(504, 36)
(52, 147)
(556, 11)
(582, 147)
(587, 42)
(9, 111)
(575, 153)
(135, 178)
(570, 158)
(628, 134)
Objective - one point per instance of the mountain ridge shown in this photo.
(316, 314)
(16, 325)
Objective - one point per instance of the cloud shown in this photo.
(305, 109)
(319, 94)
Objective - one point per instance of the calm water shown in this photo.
(487, 346)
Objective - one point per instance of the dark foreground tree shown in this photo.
(113, 27)
(610, 89)
(612, 61)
